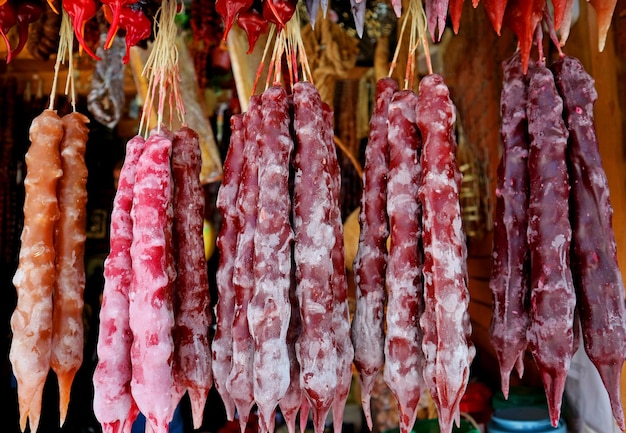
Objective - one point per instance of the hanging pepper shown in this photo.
(8, 18)
(278, 11)
(52, 6)
(253, 24)
(131, 19)
(455, 8)
(81, 11)
(495, 10)
(523, 16)
(27, 13)
(228, 10)
(115, 7)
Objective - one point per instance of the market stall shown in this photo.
(278, 215)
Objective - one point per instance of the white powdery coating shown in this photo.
(370, 305)
(239, 382)
(313, 247)
(403, 353)
(150, 308)
(113, 401)
(445, 322)
(269, 310)
(404, 203)
(315, 374)
(271, 374)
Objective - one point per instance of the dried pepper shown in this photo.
(523, 16)
(27, 13)
(253, 24)
(134, 21)
(278, 11)
(495, 10)
(8, 19)
(115, 7)
(228, 10)
(81, 11)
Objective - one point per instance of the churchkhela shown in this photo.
(569, 236)
(284, 340)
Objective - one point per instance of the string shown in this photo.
(66, 41)
(162, 69)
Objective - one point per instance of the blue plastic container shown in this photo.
(529, 419)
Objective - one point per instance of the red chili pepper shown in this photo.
(228, 10)
(278, 11)
(81, 11)
(523, 16)
(495, 11)
(134, 21)
(8, 18)
(253, 24)
(27, 13)
(116, 9)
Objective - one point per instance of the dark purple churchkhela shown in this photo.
(510, 269)
(552, 297)
(597, 278)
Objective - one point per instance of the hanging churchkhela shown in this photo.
(597, 278)
(426, 293)
(285, 253)
(158, 205)
(47, 322)
(283, 339)
(554, 246)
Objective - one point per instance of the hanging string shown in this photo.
(416, 16)
(268, 44)
(64, 52)
(162, 69)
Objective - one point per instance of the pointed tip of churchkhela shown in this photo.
(611, 378)
(23, 421)
(446, 419)
(243, 420)
(554, 384)
(436, 13)
(366, 391)
(305, 407)
(65, 386)
(319, 418)
(407, 419)
(198, 399)
(266, 419)
(31, 414)
(519, 364)
(505, 382)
